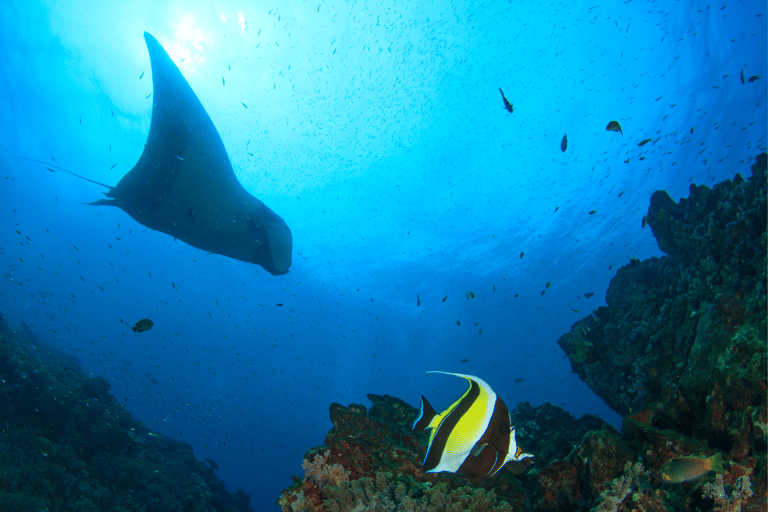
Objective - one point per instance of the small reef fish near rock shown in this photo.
(143, 325)
(473, 437)
(614, 126)
(684, 469)
(507, 104)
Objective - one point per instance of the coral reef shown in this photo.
(372, 461)
(680, 352)
(66, 444)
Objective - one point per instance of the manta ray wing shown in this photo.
(183, 184)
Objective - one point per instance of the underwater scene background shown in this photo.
(433, 229)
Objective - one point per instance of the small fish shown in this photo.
(683, 469)
(589, 294)
(243, 104)
(418, 300)
(113, 167)
(645, 221)
(548, 284)
(644, 142)
(445, 298)
(78, 250)
(564, 143)
(494, 286)
(519, 380)
(54, 172)
(522, 253)
(614, 126)
(593, 212)
(143, 325)
(742, 76)
(753, 78)
(470, 295)
(507, 104)
(460, 443)
(465, 360)
(222, 80)
(280, 304)
(141, 76)
(458, 323)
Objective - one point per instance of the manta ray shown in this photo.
(183, 184)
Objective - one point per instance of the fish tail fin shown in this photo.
(716, 461)
(426, 415)
(134, 329)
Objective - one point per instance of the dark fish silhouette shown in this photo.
(742, 76)
(753, 78)
(614, 126)
(564, 143)
(644, 142)
(507, 104)
(143, 325)
(183, 184)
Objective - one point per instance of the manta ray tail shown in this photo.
(65, 170)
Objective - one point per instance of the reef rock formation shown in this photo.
(681, 346)
(680, 351)
(67, 445)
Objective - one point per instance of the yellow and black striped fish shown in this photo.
(474, 437)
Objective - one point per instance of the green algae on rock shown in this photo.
(681, 346)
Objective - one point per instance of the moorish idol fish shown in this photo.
(474, 437)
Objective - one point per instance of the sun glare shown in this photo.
(189, 34)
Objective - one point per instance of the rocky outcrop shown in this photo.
(681, 346)
(67, 445)
(680, 352)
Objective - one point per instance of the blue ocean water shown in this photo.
(377, 131)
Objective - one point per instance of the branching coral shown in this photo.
(725, 502)
(323, 473)
(620, 487)
(384, 493)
